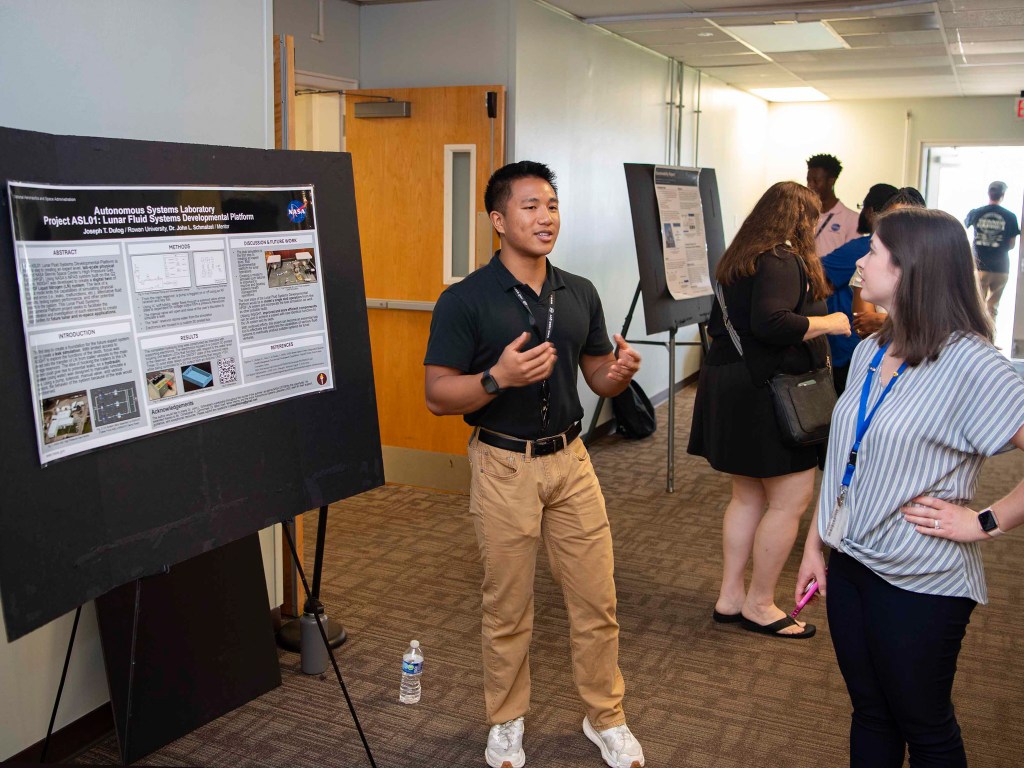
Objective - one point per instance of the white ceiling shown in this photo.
(897, 48)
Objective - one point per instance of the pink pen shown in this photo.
(812, 588)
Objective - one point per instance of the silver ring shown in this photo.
(938, 525)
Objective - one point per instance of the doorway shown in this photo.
(955, 179)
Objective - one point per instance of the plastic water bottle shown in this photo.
(412, 668)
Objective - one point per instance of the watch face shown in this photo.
(490, 385)
(987, 521)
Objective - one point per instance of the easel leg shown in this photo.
(289, 636)
(330, 650)
(670, 480)
(60, 688)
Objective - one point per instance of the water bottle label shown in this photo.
(412, 667)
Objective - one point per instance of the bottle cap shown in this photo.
(414, 644)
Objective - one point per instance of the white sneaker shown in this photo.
(618, 746)
(505, 745)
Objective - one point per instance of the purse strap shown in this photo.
(720, 295)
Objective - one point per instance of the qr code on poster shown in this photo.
(226, 371)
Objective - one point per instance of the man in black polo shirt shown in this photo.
(995, 234)
(505, 347)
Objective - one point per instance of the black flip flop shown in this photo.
(727, 618)
(773, 628)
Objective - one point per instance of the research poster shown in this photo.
(681, 219)
(149, 308)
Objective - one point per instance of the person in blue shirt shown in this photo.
(840, 265)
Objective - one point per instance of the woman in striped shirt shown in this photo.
(928, 398)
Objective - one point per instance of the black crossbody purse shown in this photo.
(803, 402)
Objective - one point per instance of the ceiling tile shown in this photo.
(590, 8)
(691, 36)
(894, 51)
(995, 18)
(866, 26)
(984, 49)
(983, 35)
(626, 27)
(853, 58)
(890, 39)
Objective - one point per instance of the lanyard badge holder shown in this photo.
(838, 523)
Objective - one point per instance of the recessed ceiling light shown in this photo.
(784, 38)
(804, 93)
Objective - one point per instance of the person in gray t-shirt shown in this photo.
(995, 234)
(928, 399)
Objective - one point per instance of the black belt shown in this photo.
(542, 447)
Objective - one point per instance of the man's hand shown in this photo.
(517, 369)
(626, 364)
(866, 323)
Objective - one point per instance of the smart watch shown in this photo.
(987, 521)
(490, 385)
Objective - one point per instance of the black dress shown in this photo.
(734, 425)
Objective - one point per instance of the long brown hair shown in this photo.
(783, 218)
(936, 297)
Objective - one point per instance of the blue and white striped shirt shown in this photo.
(929, 437)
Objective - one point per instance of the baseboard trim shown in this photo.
(71, 740)
(662, 396)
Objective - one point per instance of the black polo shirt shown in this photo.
(476, 318)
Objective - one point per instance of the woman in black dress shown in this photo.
(774, 291)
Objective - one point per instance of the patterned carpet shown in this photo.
(401, 563)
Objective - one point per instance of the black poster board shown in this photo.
(662, 312)
(184, 647)
(79, 527)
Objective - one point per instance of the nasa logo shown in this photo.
(835, 227)
(297, 211)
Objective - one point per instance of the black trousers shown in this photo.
(897, 651)
(839, 374)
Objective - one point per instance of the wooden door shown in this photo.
(399, 168)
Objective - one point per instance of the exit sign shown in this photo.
(1020, 106)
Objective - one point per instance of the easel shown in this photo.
(165, 639)
(323, 630)
(289, 636)
(669, 345)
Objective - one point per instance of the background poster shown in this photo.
(684, 245)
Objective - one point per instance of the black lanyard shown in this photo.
(533, 320)
(823, 225)
(545, 386)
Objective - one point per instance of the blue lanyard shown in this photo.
(864, 417)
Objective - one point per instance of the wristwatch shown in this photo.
(987, 521)
(490, 385)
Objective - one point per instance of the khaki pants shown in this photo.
(514, 500)
(992, 285)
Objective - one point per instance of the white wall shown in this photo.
(338, 53)
(585, 103)
(732, 140)
(874, 141)
(188, 71)
(467, 44)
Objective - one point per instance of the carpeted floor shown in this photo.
(401, 563)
